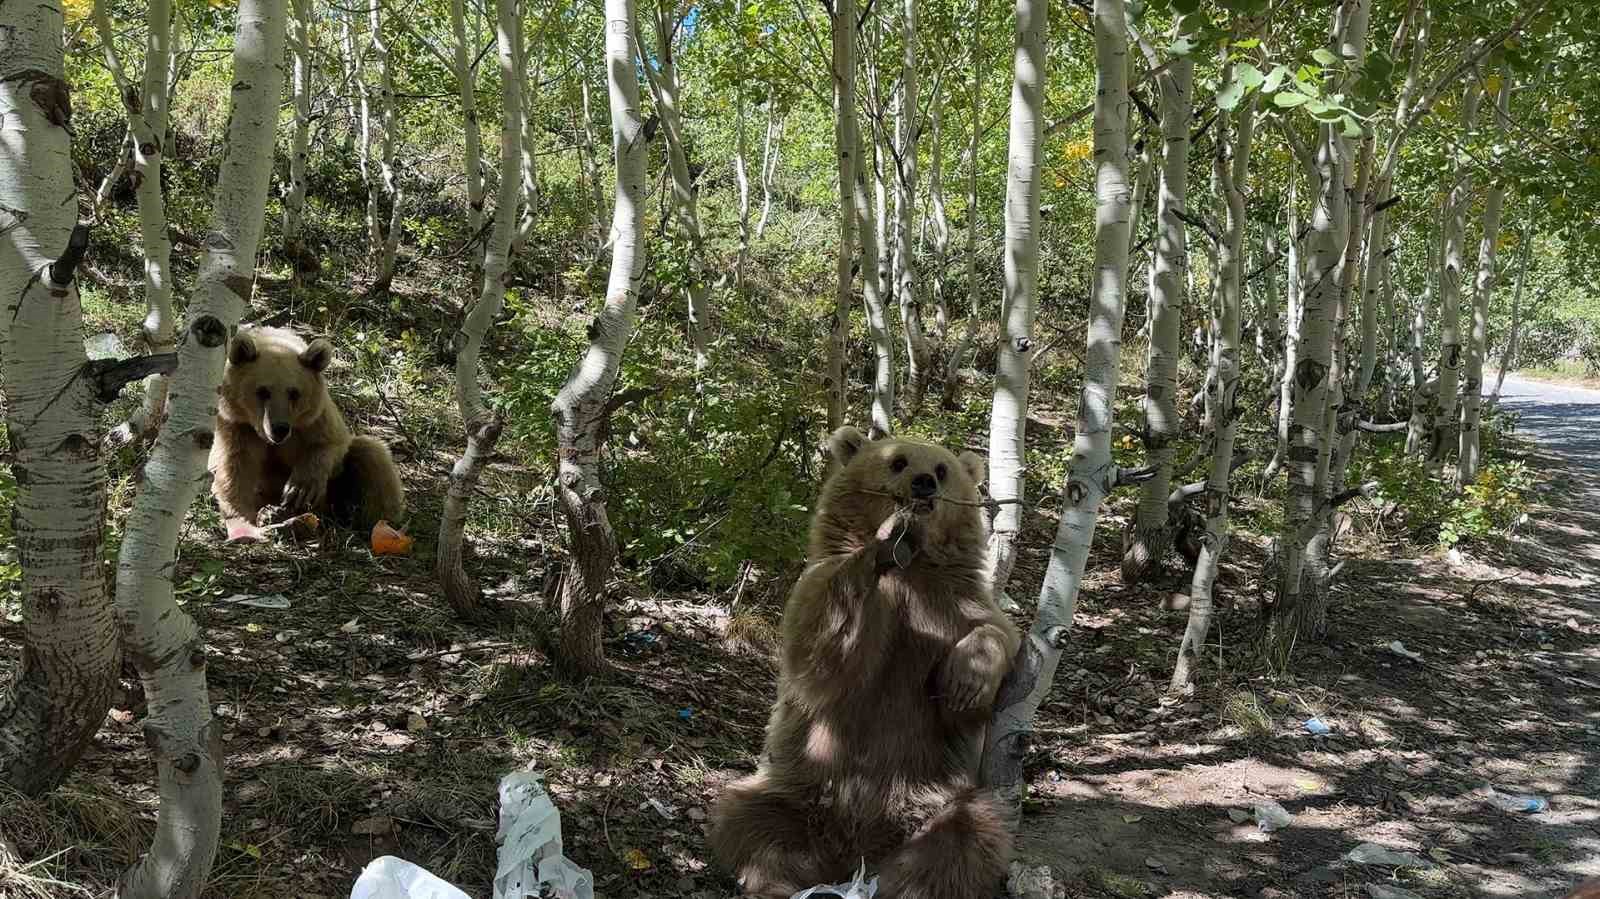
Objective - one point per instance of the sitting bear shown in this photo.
(281, 446)
(892, 650)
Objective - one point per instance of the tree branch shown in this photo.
(111, 375)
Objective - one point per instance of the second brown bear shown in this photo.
(893, 649)
(281, 446)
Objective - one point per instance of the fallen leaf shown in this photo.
(416, 723)
(386, 541)
(351, 626)
(377, 825)
(637, 860)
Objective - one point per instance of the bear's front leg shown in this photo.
(972, 672)
(306, 490)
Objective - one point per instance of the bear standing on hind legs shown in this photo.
(892, 650)
(282, 448)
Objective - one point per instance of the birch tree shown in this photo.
(1008, 418)
(483, 426)
(1151, 535)
(1467, 458)
(58, 697)
(771, 155)
(842, 16)
(741, 155)
(1092, 473)
(466, 84)
(385, 236)
(301, 259)
(584, 404)
(1234, 134)
(908, 130)
(958, 354)
(1446, 405)
(159, 637)
(146, 105)
(869, 227)
(664, 88)
(1513, 337)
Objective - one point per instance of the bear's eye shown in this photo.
(263, 394)
(294, 397)
(940, 472)
(899, 464)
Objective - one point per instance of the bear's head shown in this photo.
(274, 382)
(876, 478)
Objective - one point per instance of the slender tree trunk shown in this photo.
(1442, 431)
(1477, 344)
(147, 110)
(1293, 282)
(664, 87)
(1508, 352)
(482, 425)
(741, 153)
(958, 354)
(1230, 167)
(938, 222)
(1092, 473)
(583, 407)
(872, 297)
(1423, 394)
(59, 696)
(119, 170)
(909, 127)
(160, 638)
(1341, 416)
(588, 158)
(388, 247)
(1151, 534)
(466, 84)
(529, 218)
(848, 145)
(301, 260)
(1008, 419)
(770, 157)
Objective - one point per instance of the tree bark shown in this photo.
(146, 105)
(1092, 473)
(872, 299)
(582, 408)
(388, 247)
(482, 425)
(1450, 351)
(741, 155)
(301, 258)
(958, 354)
(1508, 352)
(1467, 458)
(60, 694)
(908, 128)
(938, 221)
(663, 78)
(770, 156)
(1008, 419)
(466, 84)
(160, 638)
(847, 144)
(1147, 544)
(1230, 167)
(590, 162)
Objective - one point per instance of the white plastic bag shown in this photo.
(857, 888)
(387, 877)
(530, 844)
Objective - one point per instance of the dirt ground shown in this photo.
(364, 721)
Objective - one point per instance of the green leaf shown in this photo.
(1275, 79)
(1183, 46)
(1185, 7)
(1247, 43)
(1324, 56)
(1249, 76)
(1230, 94)
(1352, 128)
(1290, 99)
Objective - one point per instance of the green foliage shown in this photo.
(1432, 510)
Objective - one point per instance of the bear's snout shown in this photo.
(923, 486)
(278, 433)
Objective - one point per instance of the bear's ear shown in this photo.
(242, 350)
(317, 354)
(844, 443)
(977, 469)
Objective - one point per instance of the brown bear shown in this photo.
(892, 650)
(282, 448)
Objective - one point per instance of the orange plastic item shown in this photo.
(386, 541)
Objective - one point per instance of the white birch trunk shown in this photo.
(909, 128)
(869, 226)
(159, 637)
(57, 699)
(1291, 331)
(1147, 544)
(770, 157)
(590, 161)
(1450, 349)
(1230, 167)
(146, 105)
(1467, 460)
(119, 169)
(664, 88)
(938, 222)
(741, 171)
(483, 426)
(582, 407)
(1423, 393)
(1508, 352)
(848, 147)
(529, 218)
(301, 259)
(466, 84)
(1014, 354)
(388, 247)
(958, 354)
(1092, 474)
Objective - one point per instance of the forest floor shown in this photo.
(364, 720)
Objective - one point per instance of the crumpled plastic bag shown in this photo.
(387, 877)
(530, 844)
(857, 888)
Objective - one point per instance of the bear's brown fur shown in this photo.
(892, 650)
(281, 446)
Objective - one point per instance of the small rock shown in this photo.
(1238, 815)
(1105, 720)
(416, 723)
(1155, 864)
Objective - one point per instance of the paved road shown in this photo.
(1563, 419)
